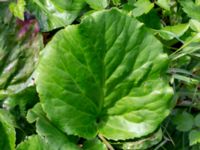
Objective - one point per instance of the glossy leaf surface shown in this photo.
(111, 81)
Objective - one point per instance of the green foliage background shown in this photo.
(62, 86)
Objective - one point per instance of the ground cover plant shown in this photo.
(99, 74)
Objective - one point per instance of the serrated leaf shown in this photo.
(54, 138)
(18, 9)
(194, 137)
(55, 14)
(183, 121)
(97, 4)
(7, 130)
(112, 81)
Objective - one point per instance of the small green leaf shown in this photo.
(197, 120)
(194, 137)
(183, 121)
(142, 7)
(97, 4)
(94, 144)
(18, 9)
(170, 32)
(116, 2)
(165, 4)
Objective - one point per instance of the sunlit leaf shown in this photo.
(18, 8)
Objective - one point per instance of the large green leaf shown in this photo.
(7, 138)
(105, 75)
(53, 14)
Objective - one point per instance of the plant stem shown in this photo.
(108, 145)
